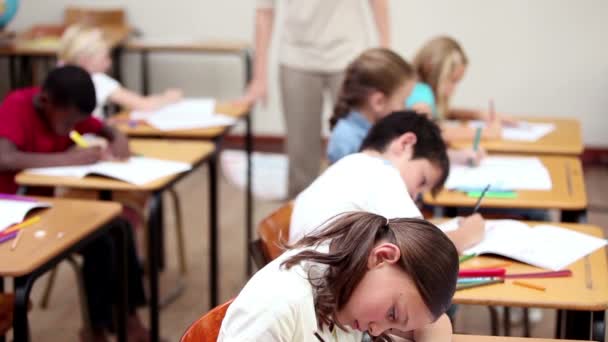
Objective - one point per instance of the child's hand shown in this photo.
(493, 130)
(173, 95)
(83, 156)
(119, 147)
(467, 156)
(473, 229)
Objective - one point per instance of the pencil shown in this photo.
(466, 257)
(23, 224)
(477, 139)
(78, 139)
(529, 285)
(477, 284)
(483, 193)
(16, 241)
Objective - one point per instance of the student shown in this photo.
(376, 83)
(402, 156)
(360, 273)
(35, 133)
(86, 48)
(440, 65)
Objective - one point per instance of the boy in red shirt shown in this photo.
(34, 132)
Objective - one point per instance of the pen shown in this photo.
(483, 193)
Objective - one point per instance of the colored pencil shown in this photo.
(477, 284)
(489, 272)
(16, 241)
(483, 193)
(529, 285)
(551, 274)
(22, 225)
(78, 139)
(466, 257)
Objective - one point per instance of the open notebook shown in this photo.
(136, 170)
(503, 173)
(185, 114)
(522, 131)
(14, 209)
(545, 246)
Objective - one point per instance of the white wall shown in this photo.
(541, 57)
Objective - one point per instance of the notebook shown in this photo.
(545, 246)
(13, 209)
(136, 170)
(502, 173)
(522, 131)
(185, 114)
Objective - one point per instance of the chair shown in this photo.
(207, 328)
(273, 232)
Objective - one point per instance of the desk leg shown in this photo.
(12, 72)
(21, 329)
(154, 222)
(526, 318)
(506, 320)
(145, 76)
(122, 308)
(578, 325)
(213, 232)
(249, 193)
(575, 216)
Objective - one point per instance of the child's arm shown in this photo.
(119, 143)
(132, 100)
(11, 159)
(471, 114)
(470, 231)
(466, 156)
(440, 331)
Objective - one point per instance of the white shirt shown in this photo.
(104, 87)
(322, 35)
(277, 305)
(357, 182)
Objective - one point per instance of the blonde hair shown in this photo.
(435, 62)
(377, 69)
(78, 41)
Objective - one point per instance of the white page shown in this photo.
(137, 170)
(449, 225)
(545, 246)
(14, 211)
(185, 120)
(502, 173)
(522, 131)
(201, 106)
(140, 170)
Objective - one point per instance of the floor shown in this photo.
(63, 313)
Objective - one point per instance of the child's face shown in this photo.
(383, 105)
(96, 63)
(60, 119)
(385, 298)
(419, 175)
(449, 86)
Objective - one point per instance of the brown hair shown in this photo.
(376, 69)
(435, 62)
(427, 256)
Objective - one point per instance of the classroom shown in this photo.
(303, 170)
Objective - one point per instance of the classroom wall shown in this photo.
(541, 57)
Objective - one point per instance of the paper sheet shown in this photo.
(137, 170)
(523, 131)
(14, 211)
(503, 173)
(200, 106)
(545, 246)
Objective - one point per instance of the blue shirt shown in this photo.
(347, 136)
(422, 93)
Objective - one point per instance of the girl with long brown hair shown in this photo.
(360, 273)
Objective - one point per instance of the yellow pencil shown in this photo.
(23, 224)
(529, 285)
(16, 241)
(78, 139)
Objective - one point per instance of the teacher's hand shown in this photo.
(257, 90)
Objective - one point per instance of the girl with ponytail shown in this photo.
(375, 84)
(359, 273)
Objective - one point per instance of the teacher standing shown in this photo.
(317, 41)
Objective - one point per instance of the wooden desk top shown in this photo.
(475, 338)
(567, 193)
(210, 46)
(569, 293)
(184, 151)
(75, 219)
(566, 139)
(142, 129)
(48, 45)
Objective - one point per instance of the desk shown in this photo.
(566, 139)
(474, 338)
(216, 134)
(191, 152)
(567, 194)
(21, 50)
(586, 290)
(80, 222)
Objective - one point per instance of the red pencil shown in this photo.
(488, 272)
